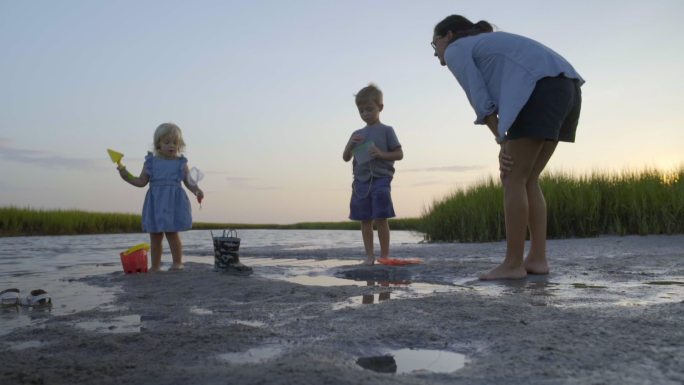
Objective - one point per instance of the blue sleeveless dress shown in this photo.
(167, 207)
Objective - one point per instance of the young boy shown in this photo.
(374, 149)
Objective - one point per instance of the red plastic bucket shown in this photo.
(134, 260)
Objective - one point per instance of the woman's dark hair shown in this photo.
(461, 27)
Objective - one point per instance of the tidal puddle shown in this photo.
(123, 324)
(26, 345)
(200, 311)
(310, 272)
(665, 283)
(588, 286)
(307, 264)
(255, 324)
(583, 290)
(588, 292)
(408, 361)
(383, 291)
(227, 321)
(252, 356)
(233, 321)
(68, 295)
(320, 280)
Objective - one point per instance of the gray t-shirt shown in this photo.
(384, 138)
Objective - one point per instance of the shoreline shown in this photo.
(610, 312)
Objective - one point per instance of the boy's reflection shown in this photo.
(384, 293)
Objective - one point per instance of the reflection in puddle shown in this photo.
(123, 324)
(380, 364)
(405, 361)
(383, 295)
(292, 262)
(436, 361)
(310, 272)
(368, 299)
(569, 292)
(252, 356)
(547, 290)
(320, 280)
(394, 290)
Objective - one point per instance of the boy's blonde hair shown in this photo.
(168, 129)
(371, 92)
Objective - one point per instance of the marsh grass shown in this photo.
(16, 221)
(631, 202)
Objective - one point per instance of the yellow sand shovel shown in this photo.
(115, 156)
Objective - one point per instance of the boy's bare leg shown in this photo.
(367, 234)
(156, 250)
(516, 210)
(536, 262)
(176, 247)
(383, 236)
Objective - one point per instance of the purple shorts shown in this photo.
(371, 200)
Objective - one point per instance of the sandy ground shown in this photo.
(611, 312)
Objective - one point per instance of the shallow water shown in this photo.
(305, 257)
(572, 292)
(436, 361)
(56, 263)
(252, 356)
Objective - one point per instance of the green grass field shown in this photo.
(635, 202)
(638, 202)
(26, 221)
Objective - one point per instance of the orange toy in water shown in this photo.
(399, 262)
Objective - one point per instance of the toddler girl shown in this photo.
(167, 208)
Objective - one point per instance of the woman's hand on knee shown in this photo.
(505, 161)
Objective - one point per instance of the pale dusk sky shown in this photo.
(264, 92)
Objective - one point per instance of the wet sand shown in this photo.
(611, 312)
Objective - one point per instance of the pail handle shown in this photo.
(230, 233)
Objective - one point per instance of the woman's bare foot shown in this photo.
(369, 261)
(537, 266)
(504, 271)
(176, 267)
(154, 269)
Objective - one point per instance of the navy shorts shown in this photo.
(371, 200)
(551, 113)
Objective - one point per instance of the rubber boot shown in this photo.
(227, 258)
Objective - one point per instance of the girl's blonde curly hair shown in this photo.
(168, 129)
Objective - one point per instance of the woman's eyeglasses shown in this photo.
(433, 43)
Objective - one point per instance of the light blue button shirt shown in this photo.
(499, 70)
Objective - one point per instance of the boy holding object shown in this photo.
(374, 148)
